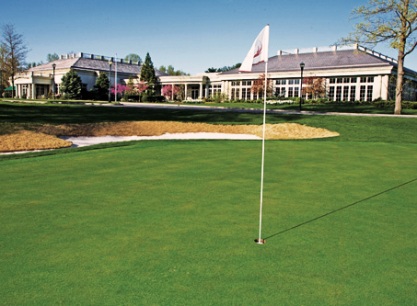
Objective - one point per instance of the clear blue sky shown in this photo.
(191, 35)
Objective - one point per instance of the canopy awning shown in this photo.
(10, 88)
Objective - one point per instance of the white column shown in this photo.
(384, 87)
(186, 92)
(200, 92)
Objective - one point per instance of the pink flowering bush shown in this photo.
(170, 91)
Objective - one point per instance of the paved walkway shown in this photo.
(252, 110)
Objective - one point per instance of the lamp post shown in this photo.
(302, 65)
(110, 63)
(115, 79)
(53, 80)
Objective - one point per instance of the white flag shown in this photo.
(258, 52)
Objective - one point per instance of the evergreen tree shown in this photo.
(71, 85)
(147, 73)
(102, 86)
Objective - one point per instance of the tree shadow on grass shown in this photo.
(339, 209)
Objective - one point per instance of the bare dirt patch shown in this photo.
(46, 136)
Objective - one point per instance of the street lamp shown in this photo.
(110, 63)
(302, 65)
(53, 80)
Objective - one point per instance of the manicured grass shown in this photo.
(375, 129)
(173, 223)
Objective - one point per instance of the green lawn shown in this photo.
(174, 222)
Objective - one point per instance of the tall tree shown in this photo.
(315, 87)
(14, 50)
(392, 21)
(224, 68)
(102, 86)
(171, 70)
(147, 73)
(71, 85)
(52, 57)
(258, 86)
(135, 58)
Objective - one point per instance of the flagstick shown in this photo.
(260, 240)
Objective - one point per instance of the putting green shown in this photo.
(174, 222)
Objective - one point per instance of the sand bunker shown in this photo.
(46, 136)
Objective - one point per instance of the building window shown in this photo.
(296, 92)
(246, 83)
(339, 93)
(345, 93)
(244, 93)
(290, 92)
(352, 93)
(332, 80)
(233, 94)
(25, 90)
(281, 82)
(369, 93)
(362, 93)
(280, 91)
(331, 93)
(367, 79)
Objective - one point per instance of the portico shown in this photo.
(194, 87)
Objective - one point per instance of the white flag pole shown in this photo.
(260, 240)
(258, 53)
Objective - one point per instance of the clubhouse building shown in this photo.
(347, 74)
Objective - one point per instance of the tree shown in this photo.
(258, 86)
(13, 53)
(52, 57)
(171, 92)
(392, 21)
(141, 87)
(71, 85)
(135, 58)
(147, 73)
(316, 87)
(101, 87)
(224, 68)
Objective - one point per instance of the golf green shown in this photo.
(174, 223)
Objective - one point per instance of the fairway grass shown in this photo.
(174, 223)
